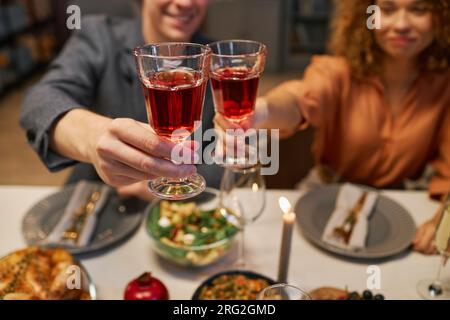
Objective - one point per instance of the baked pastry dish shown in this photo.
(39, 274)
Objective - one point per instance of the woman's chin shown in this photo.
(403, 54)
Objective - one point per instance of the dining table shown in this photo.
(310, 267)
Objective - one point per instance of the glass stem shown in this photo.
(241, 258)
(437, 281)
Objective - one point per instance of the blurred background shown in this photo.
(33, 31)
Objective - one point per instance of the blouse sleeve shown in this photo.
(440, 182)
(319, 92)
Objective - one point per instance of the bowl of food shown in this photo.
(35, 273)
(193, 233)
(232, 285)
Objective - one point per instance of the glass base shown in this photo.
(177, 189)
(238, 164)
(429, 291)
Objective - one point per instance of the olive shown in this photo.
(353, 296)
(378, 297)
(367, 295)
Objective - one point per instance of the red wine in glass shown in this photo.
(174, 101)
(174, 76)
(234, 91)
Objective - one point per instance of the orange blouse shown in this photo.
(358, 137)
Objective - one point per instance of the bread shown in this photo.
(37, 274)
(328, 293)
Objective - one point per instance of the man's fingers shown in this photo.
(142, 162)
(139, 190)
(119, 181)
(121, 169)
(142, 137)
(145, 126)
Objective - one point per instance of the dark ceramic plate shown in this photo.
(391, 228)
(113, 224)
(248, 274)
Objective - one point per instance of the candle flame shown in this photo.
(285, 205)
(255, 187)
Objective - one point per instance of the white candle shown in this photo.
(286, 238)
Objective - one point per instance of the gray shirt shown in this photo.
(95, 70)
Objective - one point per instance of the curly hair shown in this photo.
(352, 39)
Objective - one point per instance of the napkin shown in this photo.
(77, 204)
(352, 212)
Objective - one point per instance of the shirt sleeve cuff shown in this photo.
(39, 136)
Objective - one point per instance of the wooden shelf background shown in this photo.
(27, 40)
(306, 30)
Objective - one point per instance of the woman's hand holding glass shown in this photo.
(228, 133)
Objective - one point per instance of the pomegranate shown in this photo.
(145, 287)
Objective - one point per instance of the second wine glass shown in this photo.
(235, 70)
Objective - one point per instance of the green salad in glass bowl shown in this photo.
(192, 233)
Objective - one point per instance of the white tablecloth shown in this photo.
(310, 267)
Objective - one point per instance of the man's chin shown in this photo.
(177, 35)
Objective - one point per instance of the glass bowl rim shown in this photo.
(286, 285)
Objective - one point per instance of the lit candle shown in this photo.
(286, 238)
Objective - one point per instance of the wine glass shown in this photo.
(174, 77)
(434, 289)
(283, 291)
(236, 66)
(242, 199)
